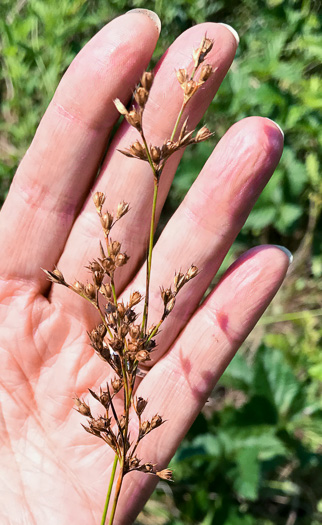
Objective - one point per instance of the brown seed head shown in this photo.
(98, 278)
(142, 356)
(57, 273)
(169, 306)
(200, 54)
(141, 96)
(111, 319)
(55, 276)
(191, 273)
(91, 431)
(94, 266)
(168, 148)
(116, 384)
(122, 330)
(130, 316)
(145, 427)
(148, 467)
(107, 221)
(134, 463)
(182, 76)
(78, 287)
(121, 259)
(137, 150)
(90, 291)
(115, 247)
(205, 72)
(104, 399)
(122, 209)
(95, 337)
(106, 290)
(101, 330)
(121, 309)
(135, 331)
(82, 407)
(203, 134)
(133, 346)
(166, 295)
(140, 405)
(165, 474)
(99, 199)
(147, 80)
(155, 154)
(101, 424)
(189, 89)
(108, 265)
(179, 281)
(156, 421)
(134, 118)
(122, 421)
(135, 298)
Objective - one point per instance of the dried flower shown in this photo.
(147, 80)
(117, 339)
(165, 474)
(200, 54)
(99, 199)
(122, 209)
(82, 407)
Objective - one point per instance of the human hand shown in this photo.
(52, 471)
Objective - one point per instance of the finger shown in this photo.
(207, 222)
(131, 180)
(58, 169)
(180, 383)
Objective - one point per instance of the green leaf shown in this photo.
(275, 380)
(260, 218)
(239, 374)
(312, 168)
(246, 482)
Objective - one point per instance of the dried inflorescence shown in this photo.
(121, 339)
(158, 155)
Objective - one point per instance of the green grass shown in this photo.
(254, 455)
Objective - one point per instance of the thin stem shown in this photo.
(177, 122)
(149, 261)
(155, 330)
(148, 155)
(116, 497)
(294, 316)
(109, 490)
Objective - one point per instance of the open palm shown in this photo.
(52, 471)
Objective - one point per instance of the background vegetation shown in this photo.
(254, 456)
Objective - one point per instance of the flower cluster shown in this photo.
(121, 339)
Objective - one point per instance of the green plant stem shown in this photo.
(116, 497)
(149, 261)
(177, 121)
(294, 316)
(109, 490)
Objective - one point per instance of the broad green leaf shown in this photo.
(275, 380)
(246, 482)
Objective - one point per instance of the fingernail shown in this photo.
(151, 14)
(279, 127)
(232, 30)
(286, 251)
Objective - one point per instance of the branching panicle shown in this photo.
(119, 339)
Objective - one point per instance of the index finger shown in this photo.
(58, 169)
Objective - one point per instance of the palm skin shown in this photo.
(51, 470)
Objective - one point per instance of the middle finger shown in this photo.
(131, 180)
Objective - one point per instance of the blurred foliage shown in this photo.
(254, 455)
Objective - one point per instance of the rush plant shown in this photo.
(124, 339)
